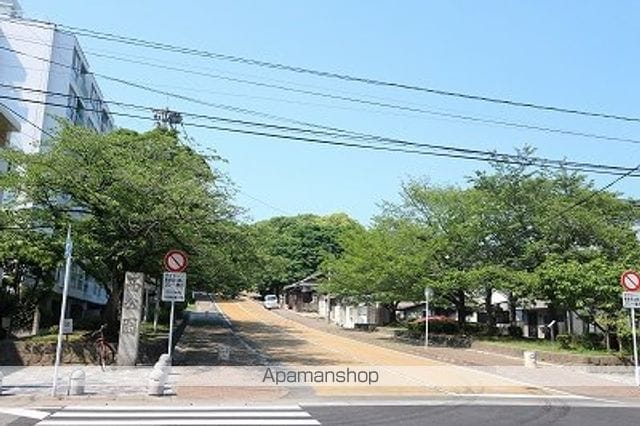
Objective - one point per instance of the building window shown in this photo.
(78, 66)
(105, 122)
(96, 102)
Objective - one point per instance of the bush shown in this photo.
(564, 340)
(515, 331)
(436, 326)
(591, 341)
(443, 327)
(475, 328)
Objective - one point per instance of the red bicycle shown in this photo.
(105, 350)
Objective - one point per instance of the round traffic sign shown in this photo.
(630, 280)
(175, 261)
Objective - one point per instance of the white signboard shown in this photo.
(174, 285)
(67, 326)
(631, 299)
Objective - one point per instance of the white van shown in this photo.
(271, 301)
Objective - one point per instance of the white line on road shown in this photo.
(24, 412)
(182, 422)
(181, 414)
(179, 407)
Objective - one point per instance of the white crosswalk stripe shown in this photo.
(179, 415)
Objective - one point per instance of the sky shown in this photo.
(574, 54)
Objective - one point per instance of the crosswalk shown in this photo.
(178, 415)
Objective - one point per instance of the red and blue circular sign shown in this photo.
(175, 261)
(630, 280)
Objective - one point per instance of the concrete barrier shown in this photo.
(77, 383)
(156, 382)
(530, 359)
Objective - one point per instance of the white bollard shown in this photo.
(1, 377)
(224, 352)
(163, 364)
(530, 359)
(164, 359)
(77, 383)
(155, 385)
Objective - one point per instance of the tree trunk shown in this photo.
(35, 327)
(488, 306)
(512, 309)
(461, 309)
(111, 311)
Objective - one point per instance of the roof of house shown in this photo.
(307, 283)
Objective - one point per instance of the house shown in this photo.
(302, 295)
(45, 77)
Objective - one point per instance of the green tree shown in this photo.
(131, 197)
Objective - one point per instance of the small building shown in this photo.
(302, 296)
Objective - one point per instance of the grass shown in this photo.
(146, 328)
(542, 345)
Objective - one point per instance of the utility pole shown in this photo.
(165, 118)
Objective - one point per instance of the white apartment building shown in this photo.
(44, 76)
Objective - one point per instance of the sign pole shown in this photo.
(68, 249)
(169, 350)
(426, 317)
(635, 346)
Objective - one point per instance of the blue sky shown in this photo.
(579, 54)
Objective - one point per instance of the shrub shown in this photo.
(591, 341)
(564, 340)
(475, 328)
(436, 326)
(515, 331)
(443, 326)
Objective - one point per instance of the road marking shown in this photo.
(182, 422)
(182, 414)
(292, 415)
(24, 412)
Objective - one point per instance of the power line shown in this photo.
(333, 75)
(462, 153)
(378, 104)
(245, 111)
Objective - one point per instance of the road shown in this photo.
(443, 412)
(259, 339)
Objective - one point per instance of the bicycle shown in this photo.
(105, 350)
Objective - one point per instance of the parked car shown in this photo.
(270, 301)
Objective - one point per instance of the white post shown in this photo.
(426, 317)
(156, 310)
(171, 329)
(635, 346)
(68, 249)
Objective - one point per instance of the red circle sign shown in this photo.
(630, 280)
(175, 261)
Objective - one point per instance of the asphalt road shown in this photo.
(450, 415)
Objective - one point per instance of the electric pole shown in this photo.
(166, 118)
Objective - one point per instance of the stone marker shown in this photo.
(130, 320)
